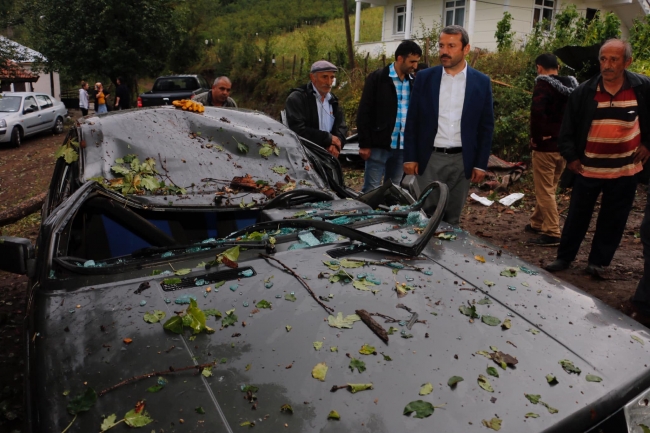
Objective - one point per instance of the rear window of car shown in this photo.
(10, 104)
(44, 101)
(176, 84)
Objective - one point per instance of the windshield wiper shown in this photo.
(413, 249)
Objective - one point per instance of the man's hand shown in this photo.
(364, 153)
(575, 166)
(642, 154)
(477, 175)
(333, 150)
(336, 142)
(411, 168)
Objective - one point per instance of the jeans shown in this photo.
(616, 204)
(386, 163)
(101, 108)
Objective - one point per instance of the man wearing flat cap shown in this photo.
(314, 113)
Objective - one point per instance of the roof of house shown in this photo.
(22, 54)
(13, 72)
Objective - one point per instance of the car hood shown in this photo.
(85, 347)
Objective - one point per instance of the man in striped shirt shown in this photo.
(605, 139)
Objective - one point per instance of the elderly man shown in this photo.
(604, 138)
(314, 113)
(219, 96)
(381, 117)
(449, 124)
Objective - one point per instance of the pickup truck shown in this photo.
(172, 88)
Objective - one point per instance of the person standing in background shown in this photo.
(83, 98)
(101, 99)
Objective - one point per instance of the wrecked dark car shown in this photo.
(211, 272)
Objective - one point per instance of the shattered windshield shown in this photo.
(223, 157)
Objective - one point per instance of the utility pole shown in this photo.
(348, 35)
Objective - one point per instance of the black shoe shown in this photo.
(595, 270)
(557, 265)
(633, 310)
(530, 229)
(545, 241)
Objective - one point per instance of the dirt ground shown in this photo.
(26, 171)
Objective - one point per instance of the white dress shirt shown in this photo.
(325, 112)
(450, 108)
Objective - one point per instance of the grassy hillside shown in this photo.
(328, 37)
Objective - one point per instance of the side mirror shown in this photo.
(28, 110)
(17, 255)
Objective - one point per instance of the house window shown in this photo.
(544, 11)
(455, 13)
(400, 19)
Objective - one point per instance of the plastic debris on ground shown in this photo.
(166, 273)
(89, 264)
(483, 200)
(525, 270)
(309, 238)
(508, 200)
(199, 282)
(246, 273)
(185, 299)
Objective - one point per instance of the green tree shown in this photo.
(81, 38)
(504, 35)
(640, 38)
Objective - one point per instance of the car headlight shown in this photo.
(3, 123)
(637, 412)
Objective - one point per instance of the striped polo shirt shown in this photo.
(614, 135)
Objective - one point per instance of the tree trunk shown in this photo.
(22, 210)
(348, 35)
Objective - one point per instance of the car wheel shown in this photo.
(58, 126)
(16, 137)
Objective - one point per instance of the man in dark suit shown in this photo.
(448, 134)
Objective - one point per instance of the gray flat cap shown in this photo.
(323, 66)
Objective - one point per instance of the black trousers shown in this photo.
(84, 111)
(616, 203)
(642, 296)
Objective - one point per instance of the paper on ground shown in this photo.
(506, 201)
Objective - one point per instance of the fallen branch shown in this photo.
(304, 283)
(373, 325)
(157, 373)
(22, 209)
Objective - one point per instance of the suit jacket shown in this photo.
(378, 110)
(476, 126)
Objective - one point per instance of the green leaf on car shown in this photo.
(569, 367)
(593, 378)
(367, 350)
(551, 379)
(263, 304)
(491, 320)
(133, 419)
(342, 322)
(356, 387)
(334, 415)
(154, 317)
(422, 409)
(290, 297)
(426, 389)
(318, 345)
(469, 311)
(494, 424)
(230, 319)
(359, 365)
(509, 272)
(453, 380)
(492, 371)
(82, 402)
(108, 422)
(533, 398)
(531, 415)
(279, 169)
(484, 383)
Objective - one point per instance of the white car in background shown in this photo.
(27, 113)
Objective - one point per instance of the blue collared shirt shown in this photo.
(403, 89)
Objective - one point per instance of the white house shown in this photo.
(402, 18)
(23, 75)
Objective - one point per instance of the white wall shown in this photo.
(43, 83)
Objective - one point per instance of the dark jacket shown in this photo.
(550, 97)
(378, 110)
(477, 122)
(580, 112)
(302, 117)
(122, 92)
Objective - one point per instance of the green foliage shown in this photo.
(99, 37)
(640, 38)
(504, 35)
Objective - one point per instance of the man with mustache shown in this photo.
(449, 125)
(381, 117)
(314, 113)
(604, 138)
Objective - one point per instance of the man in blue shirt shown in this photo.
(381, 117)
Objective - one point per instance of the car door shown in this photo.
(46, 108)
(31, 121)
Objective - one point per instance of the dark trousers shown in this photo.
(616, 203)
(84, 111)
(642, 296)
